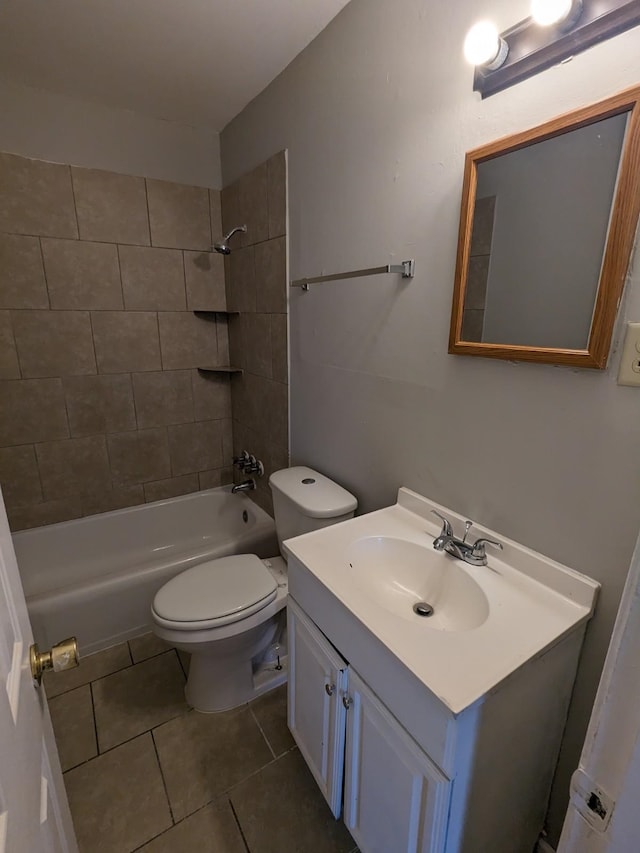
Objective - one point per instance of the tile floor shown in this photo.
(144, 772)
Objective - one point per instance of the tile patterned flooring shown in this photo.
(146, 773)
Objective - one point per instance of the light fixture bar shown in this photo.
(533, 48)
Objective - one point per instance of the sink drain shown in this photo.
(422, 608)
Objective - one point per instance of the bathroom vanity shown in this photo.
(436, 733)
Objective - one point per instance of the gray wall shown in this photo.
(377, 114)
(53, 127)
(548, 243)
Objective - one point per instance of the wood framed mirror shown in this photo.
(547, 225)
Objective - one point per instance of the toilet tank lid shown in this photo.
(315, 495)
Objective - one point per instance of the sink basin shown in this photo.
(397, 575)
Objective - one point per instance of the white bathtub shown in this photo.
(96, 577)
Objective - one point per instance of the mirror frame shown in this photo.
(622, 228)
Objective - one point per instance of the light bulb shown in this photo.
(549, 12)
(483, 46)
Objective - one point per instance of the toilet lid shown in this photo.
(216, 589)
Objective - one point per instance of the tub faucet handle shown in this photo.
(254, 466)
(242, 461)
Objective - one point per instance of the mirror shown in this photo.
(547, 225)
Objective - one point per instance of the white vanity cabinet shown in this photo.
(316, 712)
(453, 728)
(395, 798)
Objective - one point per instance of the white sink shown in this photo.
(397, 575)
(487, 620)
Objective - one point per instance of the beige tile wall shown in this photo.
(101, 404)
(256, 280)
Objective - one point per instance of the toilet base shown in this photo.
(264, 680)
(226, 673)
(234, 663)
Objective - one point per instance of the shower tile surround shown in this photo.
(256, 282)
(233, 781)
(101, 404)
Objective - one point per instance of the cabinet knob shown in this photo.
(330, 689)
(347, 701)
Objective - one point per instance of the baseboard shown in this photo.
(544, 847)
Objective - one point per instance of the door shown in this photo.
(317, 684)
(395, 798)
(34, 814)
(605, 790)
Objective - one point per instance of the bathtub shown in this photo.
(95, 577)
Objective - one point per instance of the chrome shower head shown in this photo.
(223, 247)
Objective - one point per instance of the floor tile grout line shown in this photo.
(257, 722)
(133, 737)
(185, 672)
(239, 825)
(259, 770)
(91, 680)
(95, 720)
(146, 731)
(164, 781)
(226, 793)
(219, 799)
(154, 655)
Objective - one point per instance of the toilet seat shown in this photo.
(215, 593)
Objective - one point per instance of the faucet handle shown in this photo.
(479, 546)
(447, 530)
(242, 461)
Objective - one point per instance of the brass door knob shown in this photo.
(63, 655)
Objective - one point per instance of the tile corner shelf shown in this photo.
(209, 311)
(225, 369)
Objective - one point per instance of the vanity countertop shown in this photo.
(532, 601)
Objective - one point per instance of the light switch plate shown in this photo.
(629, 372)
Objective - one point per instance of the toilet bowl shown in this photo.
(225, 613)
(228, 612)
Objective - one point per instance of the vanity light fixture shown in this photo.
(556, 31)
(546, 13)
(483, 46)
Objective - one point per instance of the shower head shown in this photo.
(223, 248)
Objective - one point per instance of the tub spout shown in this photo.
(247, 486)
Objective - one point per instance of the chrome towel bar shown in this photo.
(406, 269)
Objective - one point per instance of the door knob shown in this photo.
(63, 655)
(330, 689)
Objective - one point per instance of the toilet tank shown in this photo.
(304, 500)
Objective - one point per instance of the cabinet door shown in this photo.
(317, 683)
(395, 797)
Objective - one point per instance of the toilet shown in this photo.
(229, 613)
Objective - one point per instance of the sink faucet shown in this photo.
(247, 486)
(474, 554)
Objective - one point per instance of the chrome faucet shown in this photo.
(474, 554)
(247, 486)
